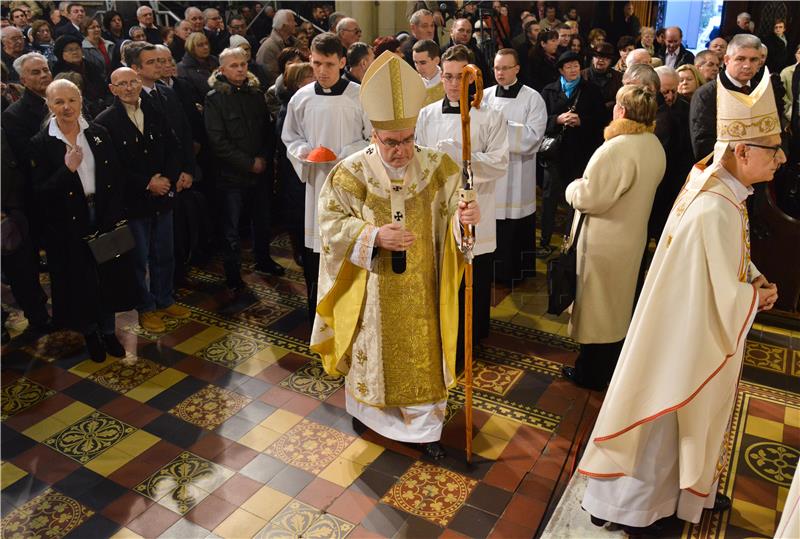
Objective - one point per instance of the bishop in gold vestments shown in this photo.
(393, 335)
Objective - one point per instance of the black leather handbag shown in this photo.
(562, 275)
(112, 244)
(551, 145)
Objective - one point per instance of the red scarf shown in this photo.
(101, 46)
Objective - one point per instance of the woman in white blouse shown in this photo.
(79, 187)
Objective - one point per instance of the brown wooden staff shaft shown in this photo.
(469, 74)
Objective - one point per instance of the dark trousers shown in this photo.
(21, 269)
(552, 195)
(481, 304)
(154, 260)
(311, 274)
(515, 257)
(235, 201)
(106, 322)
(595, 364)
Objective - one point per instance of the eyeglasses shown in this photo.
(394, 144)
(127, 85)
(450, 78)
(503, 69)
(775, 149)
(354, 30)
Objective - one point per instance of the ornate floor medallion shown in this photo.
(765, 356)
(123, 376)
(773, 461)
(430, 492)
(184, 482)
(494, 378)
(210, 407)
(264, 313)
(311, 380)
(51, 514)
(309, 446)
(89, 437)
(21, 395)
(230, 350)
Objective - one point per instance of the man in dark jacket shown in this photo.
(237, 123)
(149, 152)
(675, 54)
(742, 62)
(461, 34)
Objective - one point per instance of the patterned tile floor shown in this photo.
(226, 426)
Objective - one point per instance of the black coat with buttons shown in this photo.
(156, 150)
(81, 290)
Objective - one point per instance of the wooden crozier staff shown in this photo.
(467, 194)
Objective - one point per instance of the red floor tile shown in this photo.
(276, 396)
(503, 476)
(210, 445)
(320, 493)
(506, 529)
(54, 377)
(34, 414)
(127, 507)
(210, 512)
(153, 522)
(338, 398)
(235, 457)
(238, 489)
(46, 464)
(524, 511)
(352, 506)
(301, 405)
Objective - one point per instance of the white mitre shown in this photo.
(392, 93)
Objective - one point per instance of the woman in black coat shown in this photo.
(541, 65)
(197, 63)
(575, 107)
(77, 180)
(69, 57)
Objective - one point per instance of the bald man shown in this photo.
(675, 54)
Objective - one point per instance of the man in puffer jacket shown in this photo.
(241, 138)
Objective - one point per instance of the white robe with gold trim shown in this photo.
(658, 438)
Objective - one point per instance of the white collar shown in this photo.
(433, 78)
(54, 131)
(392, 172)
(740, 191)
(734, 81)
(510, 85)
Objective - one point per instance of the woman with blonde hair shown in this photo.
(198, 63)
(689, 80)
(647, 39)
(613, 198)
(77, 177)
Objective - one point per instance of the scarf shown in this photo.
(569, 87)
(624, 126)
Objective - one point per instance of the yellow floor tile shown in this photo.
(753, 517)
(792, 417)
(342, 472)
(85, 368)
(764, 428)
(194, 344)
(488, 446)
(109, 462)
(500, 427)
(10, 474)
(137, 443)
(252, 366)
(362, 452)
(125, 533)
(145, 391)
(44, 429)
(240, 524)
(73, 412)
(281, 421)
(270, 354)
(266, 502)
(783, 493)
(259, 438)
(168, 377)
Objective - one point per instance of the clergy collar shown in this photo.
(740, 190)
(734, 81)
(434, 80)
(509, 91)
(336, 89)
(449, 107)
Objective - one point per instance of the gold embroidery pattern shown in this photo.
(737, 129)
(345, 180)
(397, 91)
(410, 339)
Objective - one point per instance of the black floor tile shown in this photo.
(78, 482)
(97, 526)
(373, 483)
(90, 393)
(12, 443)
(385, 520)
(392, 463)
(415, 527)
(473, 522)
(101, 494)
(489, 499)
(162, 355)
(21, 491)
(174, 430)
(456, 461)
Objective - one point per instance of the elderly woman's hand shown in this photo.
(469, 213)
(73, 158)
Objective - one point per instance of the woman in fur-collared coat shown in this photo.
(616, 193)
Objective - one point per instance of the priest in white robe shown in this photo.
(325, 114)
(515, 192)
(657, 446)
(439, 127)
(390, 328)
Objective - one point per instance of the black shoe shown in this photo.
(298, 259)
(359, 427)
(599, 522)
(42, 327)
(656, 529)
(434, 450)
(113, 346)
(236, 285)
(544, 251)
(572, 375)
(270, 267)
(721, 503)
(97, 351)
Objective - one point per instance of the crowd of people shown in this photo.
(170, 139)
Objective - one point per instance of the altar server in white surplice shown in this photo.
(439, 127)
(515, 192)
(658, 445)
(325, 114)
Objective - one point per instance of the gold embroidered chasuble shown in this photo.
(392, 335)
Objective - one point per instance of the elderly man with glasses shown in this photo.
(349, 32)
(387, 326)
